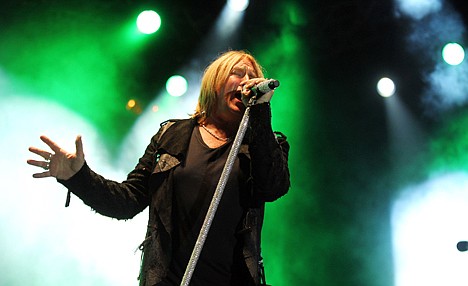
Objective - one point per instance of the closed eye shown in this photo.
(240, 72)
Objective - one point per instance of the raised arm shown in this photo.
(121, 200)
(269, 154)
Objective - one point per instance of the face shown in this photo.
(230, 106)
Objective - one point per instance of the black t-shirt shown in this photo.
(220, 262)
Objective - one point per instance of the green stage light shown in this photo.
(148, 22)
(296, 114)
(93, 79)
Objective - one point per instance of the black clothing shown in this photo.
(263, 158)
(194, 184)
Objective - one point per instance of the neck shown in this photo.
(221, 128)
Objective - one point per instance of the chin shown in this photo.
(238, 106)
(238, 111)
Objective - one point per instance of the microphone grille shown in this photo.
(273, 84)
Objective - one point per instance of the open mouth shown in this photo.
(238, 95)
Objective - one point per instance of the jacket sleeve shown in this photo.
(269, 156)
(110, 198)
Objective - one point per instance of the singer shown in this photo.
(178, 173)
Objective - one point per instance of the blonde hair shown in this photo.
(215, 76)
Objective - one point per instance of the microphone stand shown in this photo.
(217, 195)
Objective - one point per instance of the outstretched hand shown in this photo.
(59, 164)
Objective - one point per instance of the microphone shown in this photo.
(462, 246)
(265, 87)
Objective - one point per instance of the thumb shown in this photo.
(266, 97)
(79, 147)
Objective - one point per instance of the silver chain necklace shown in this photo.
(214, 135)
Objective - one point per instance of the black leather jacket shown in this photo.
(263, 153)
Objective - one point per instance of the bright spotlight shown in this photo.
(238, 5)
(418, 9)
(428, 219)
(386, 87)
(176, 85)
(453, 54)
(148, 22)
(132, 105)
